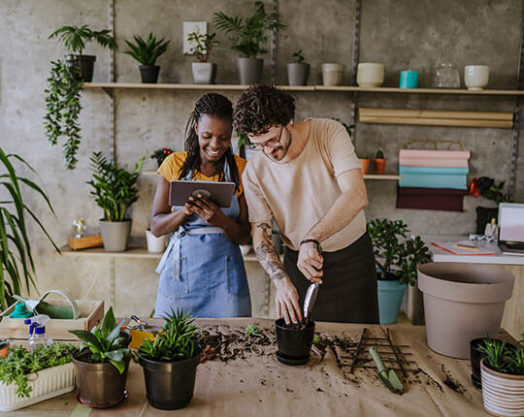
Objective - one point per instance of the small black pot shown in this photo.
(294, 344)
(475, 357)
(84, 65)
(169, 385)
(149, 73)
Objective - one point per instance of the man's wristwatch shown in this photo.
(316, 242)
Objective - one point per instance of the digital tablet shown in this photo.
(220, 193)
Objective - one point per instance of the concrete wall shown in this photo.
(402, 34)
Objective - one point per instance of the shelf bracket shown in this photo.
(274, 38)
(108, 91)
(354, 67)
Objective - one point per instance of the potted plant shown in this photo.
(75, 39)
(248, 37)
(294, 341)
(201, 45)
(298, 71)
(365, 162)
(114, 189)
(15, 251)
(169, 362)
(502, 374)
(160, 154)
(379, 162)
(396, 258)
(102, 363)
(146, 52)
(29, 377)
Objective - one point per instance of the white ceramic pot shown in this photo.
(245, 249)
(155, 244)
(332, 74)
(370, 74)
(476, 77)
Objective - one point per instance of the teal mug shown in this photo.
(408, 79)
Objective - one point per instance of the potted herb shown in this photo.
(248, 37)
(298, 71)
(201, 45)
(379, 162)
(114, 189)
(28, 377)
(502, 374)
(102, 363)
(75, 39)
(146, 52)
(490, 190)
(396, 258)
(170, 361)
(15, 251)
(160, 154)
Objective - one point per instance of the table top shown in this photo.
(244, 382)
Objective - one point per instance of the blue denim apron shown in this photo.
(202, 271)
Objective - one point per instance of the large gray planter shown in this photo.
(250, 70)
(297, 73)
(115, 235)
(462, 302)
(204, 72)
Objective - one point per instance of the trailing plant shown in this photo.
(248, 36)
(114, 188)
(178, 340)
(379, 154)
(147, 51)
(160, 154)
(75, 38)
(63, 107)
(104, 342)
(299, 58)
(202, 44)
(15, 245)
(503, 357)
(20, 362)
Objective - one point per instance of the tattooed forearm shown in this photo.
(267, 254)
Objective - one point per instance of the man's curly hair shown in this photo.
(260, 107)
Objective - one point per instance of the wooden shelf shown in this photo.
(340, 88)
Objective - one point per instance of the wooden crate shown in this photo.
(92, 313)
(92, 241)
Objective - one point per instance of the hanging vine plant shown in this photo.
(63, 107)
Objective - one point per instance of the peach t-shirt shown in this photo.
(298, 193)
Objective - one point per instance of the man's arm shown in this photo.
(286, 294)
(352, 200)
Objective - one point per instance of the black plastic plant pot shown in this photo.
(475, 357)
(84, 65)
(169, 385)
(149, 73)
(294, 342)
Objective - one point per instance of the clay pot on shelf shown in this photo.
(365, 163)
(332, 74)
(379, 165)
(370, 74)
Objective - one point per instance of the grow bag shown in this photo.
(462, 301)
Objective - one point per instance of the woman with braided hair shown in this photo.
(202, 270)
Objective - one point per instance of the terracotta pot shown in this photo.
(4, 348)
(379, 165)
(366, 162)
(462, 301)
(502, 394)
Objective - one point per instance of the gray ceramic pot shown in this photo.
(297, 73)
(250, 70)
(115, 235)
(204, 72)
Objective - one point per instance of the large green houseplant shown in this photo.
(146, 52)
(170, 361)
(248, 37)
(114, 189)
(15, 244)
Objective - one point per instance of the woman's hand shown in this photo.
(206, 209)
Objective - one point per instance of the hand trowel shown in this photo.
(309, 300)
(388, 376)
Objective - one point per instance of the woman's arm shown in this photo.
(163, 220)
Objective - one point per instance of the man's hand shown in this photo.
(310, 262)
(287, 301)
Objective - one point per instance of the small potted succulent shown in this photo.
(102, 363)
(379, 162)
(146, 52)
(502, 375)
(170, 361)
(201, 45)
(160, 154)
(298, 71)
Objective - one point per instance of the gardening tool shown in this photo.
(309, 300)
(388, 377)
(54, 311)
(140, 331)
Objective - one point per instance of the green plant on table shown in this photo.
(147, 51)
(502, 357)
(15, 245)
(75, 38)
(385, 235)
(299, 58)
(20, 362)
(201, 44)
(413, 252)
(379, 154)
(104, 343)
(178, 340)
(114, 188)
(248, 36)
(251, 330)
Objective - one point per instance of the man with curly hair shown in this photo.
(306, 177)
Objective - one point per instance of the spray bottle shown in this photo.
(37, 336)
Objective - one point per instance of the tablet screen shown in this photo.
(220, 193)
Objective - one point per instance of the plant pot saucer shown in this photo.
(291, 360)
(87, 404)
(477, 383)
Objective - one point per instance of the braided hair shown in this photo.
(214, 105)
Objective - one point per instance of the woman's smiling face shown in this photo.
(214, 137)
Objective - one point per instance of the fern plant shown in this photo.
(248, 36)
(114, 188)
(147, 51)
(75, 38)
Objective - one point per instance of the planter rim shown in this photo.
(153, 361)
(487, 369)
(203, 63)
(254, 59)
(79, 353)
(280, 323)
(81, 56)
(148, 66)
(116, 221)
(302, 64)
